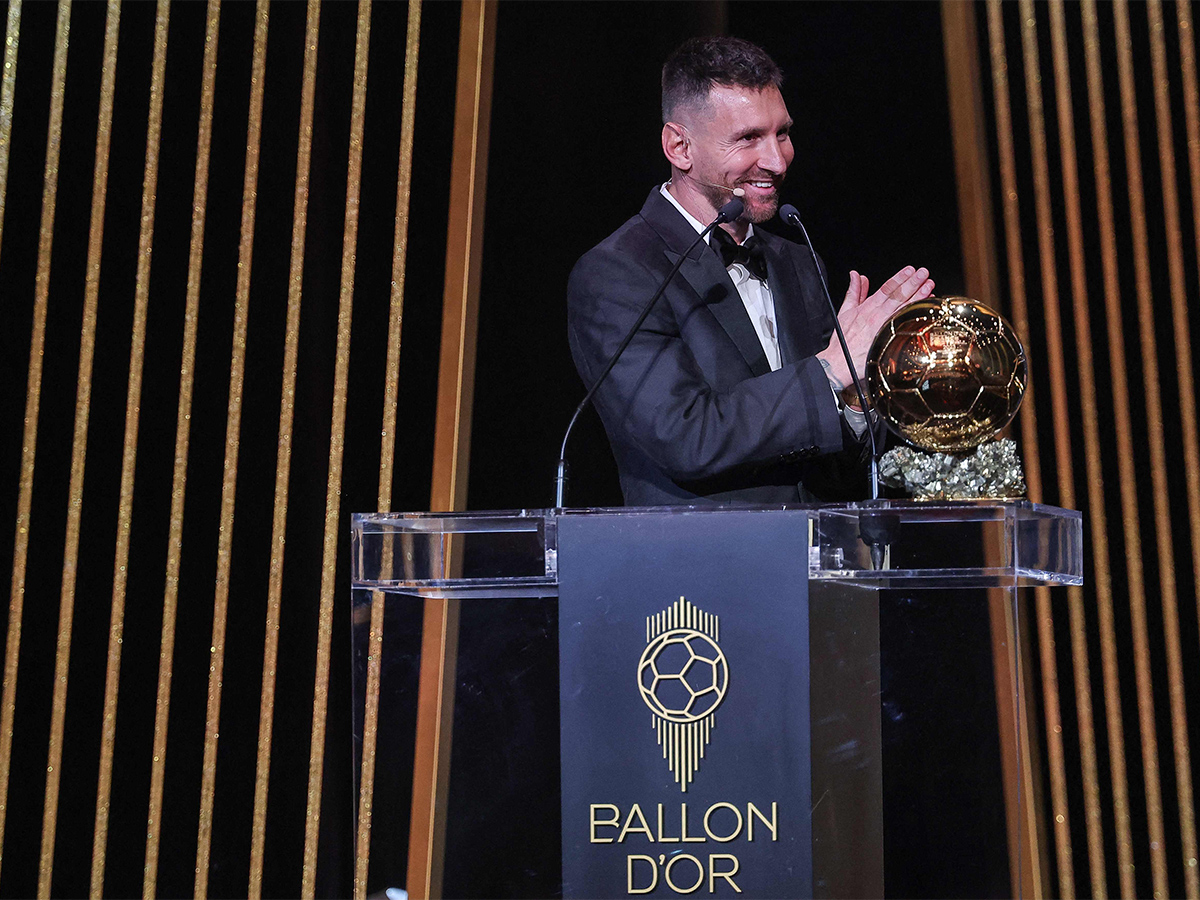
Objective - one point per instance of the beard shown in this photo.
(762, 212)
(756, 213)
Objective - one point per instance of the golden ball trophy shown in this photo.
(947, 374)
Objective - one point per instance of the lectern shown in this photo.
(727, 702)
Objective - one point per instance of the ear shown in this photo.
(676, 146)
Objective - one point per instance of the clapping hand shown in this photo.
(861, 316)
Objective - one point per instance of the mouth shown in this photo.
(764, 189)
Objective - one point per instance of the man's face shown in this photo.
(740, 139)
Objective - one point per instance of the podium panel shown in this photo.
(878, 708)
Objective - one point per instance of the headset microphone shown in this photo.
(737, 192)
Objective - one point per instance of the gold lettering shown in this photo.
(629, 827)
(629, 888)
(662, 838)
(699, 874)
(713, 874)
(614, 821)
(683, 835)
(736, 831)
(773, 824)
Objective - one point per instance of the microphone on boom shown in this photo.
(875, 528)
(730, 211)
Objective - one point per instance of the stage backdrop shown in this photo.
(265, 264)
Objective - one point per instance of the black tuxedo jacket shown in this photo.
(692, 409)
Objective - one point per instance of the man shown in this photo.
(734, 388)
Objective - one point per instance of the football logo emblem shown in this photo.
(682, 677)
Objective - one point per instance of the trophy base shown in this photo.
(991, 472)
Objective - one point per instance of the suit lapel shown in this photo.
(791, 315)
(708, 278)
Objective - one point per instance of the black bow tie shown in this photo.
(749, 254)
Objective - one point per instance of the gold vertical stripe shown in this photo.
(388, 439)
(1008, 659)
(1045, 233)
(283, 458)
(408, 117)
(1020, 314)
(1158, 462)
(691, 740)
(1062, 442)
(464, 251)
(1191, 109)
(432, 746)
(1191, 448)
(1092, 454)
(685, 769)
(337, 438)
(83, 403)
(8, 85)
(33, 397)
(969, 132)
(237, 369)
(129, 452)
(370, 725)
(1012, 235)
(1127, 480)
(675, 750)
(191, 320)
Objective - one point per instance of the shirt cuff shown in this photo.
(855, 418)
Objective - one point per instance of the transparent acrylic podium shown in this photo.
(920, 752)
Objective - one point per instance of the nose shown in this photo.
(775, 156)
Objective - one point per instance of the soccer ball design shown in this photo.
(947, 373)
(683, 675)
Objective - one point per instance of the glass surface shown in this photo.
(914, 766)
(506, 553)
(980, 543)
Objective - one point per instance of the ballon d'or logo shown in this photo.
(683, 676)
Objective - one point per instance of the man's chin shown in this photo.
(761, 211)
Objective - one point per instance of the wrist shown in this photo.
(849, 398)
(835, 380)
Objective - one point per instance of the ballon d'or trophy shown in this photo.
(947, 374)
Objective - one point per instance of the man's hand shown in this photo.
(861, 316)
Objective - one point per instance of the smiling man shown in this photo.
(734, 387)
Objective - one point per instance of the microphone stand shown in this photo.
(727, 213)
(876, 528)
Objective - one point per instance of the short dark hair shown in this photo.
(691, 71)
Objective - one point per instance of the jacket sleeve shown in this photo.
(657, 396)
